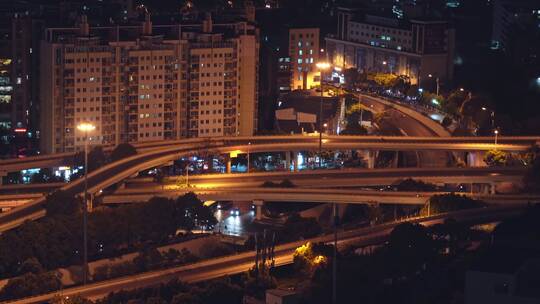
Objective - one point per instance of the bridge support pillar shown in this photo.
(370, 159)
(476, 159)
(90, 202)
(295, 161)
(258, 209)
(492, 189)
(288, 160)
(228, 160)
(2, 175)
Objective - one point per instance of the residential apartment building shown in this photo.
(414, 48)
(148, 83)
(6, 87)
(304, 55)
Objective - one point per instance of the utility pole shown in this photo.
(334, 267)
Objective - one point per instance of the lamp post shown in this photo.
(492, 114)
(322, 66)
(249, 145)
(496, 132)
(334, 261)
(391, 67)
(436, 81)
(187, 175)
(85, 127)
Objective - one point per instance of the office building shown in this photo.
(511, 15)
(415, 48)
(148, 82)
(304, 55)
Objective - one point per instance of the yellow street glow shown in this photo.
(235, 153)
(85, 127)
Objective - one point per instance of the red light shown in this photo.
(20, 130)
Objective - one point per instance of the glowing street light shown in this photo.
(322, 66)
(496, 132)
(492, 116)
(437, 81)
(85, 127)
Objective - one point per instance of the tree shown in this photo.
(410, 184)
(221, 291)
(297, 227)
(186, 298)
(383, 80)
(433, 99)
(122, 151)
(351, 77)
(442, 203)
(96, 158)
(308, 258)
(70, 300)
(30, 284)
(31, 265)
(411, 243)
(531, 180)
(256, 284)
(496, 158)
(61, 203)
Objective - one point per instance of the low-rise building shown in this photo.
(419, 48)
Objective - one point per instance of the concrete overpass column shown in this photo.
(288, 160)
(395, 162)
(2, 175)
(295, 161)
(476, 159)
(258, 209)
(228, 160)
(492, 188)
(90, 202)
(371, 159)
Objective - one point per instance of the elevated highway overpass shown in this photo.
(344, 178)
(302, 142)
(307, 195)
(123, 169)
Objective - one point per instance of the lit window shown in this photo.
(299, 61)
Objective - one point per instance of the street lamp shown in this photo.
(492, 116)
(391, 68)
(322, 66)
(187, 174)
(249, 145)
(85, 127)
(496, 132)
(437, 81)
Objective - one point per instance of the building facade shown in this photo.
(6, 87)
(414, 48)
(148, 83)
(304, 55)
